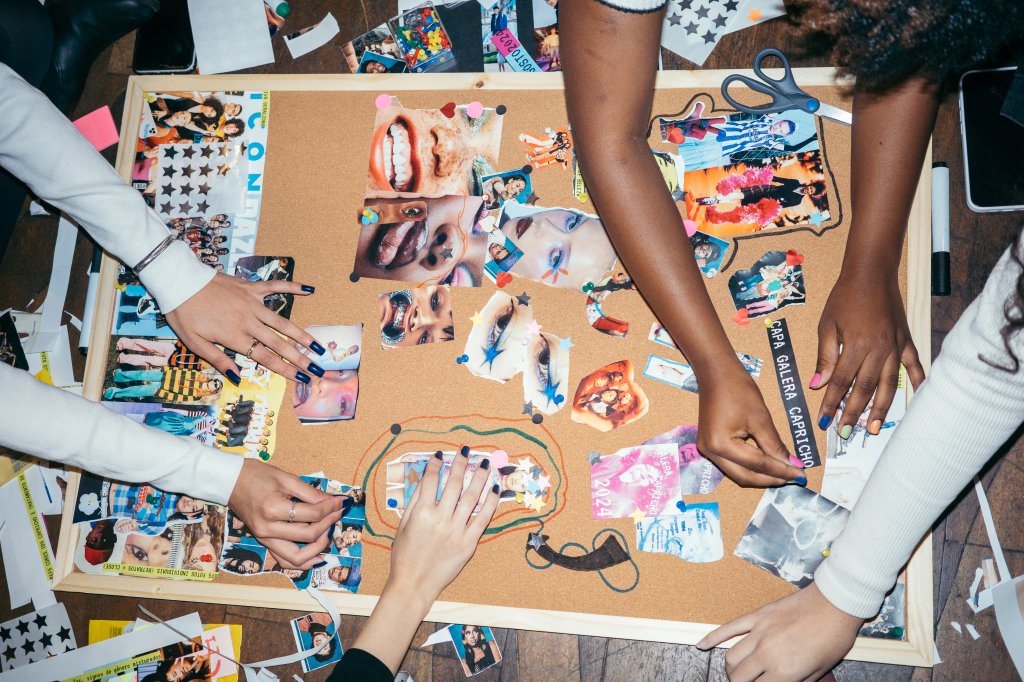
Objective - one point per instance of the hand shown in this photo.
(262, 499)
(230, 312)
(864, 313)
(732, 413)
(436, 539)
(776, 645)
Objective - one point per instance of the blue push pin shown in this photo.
(392, 503)
(461, 359)
(681, 506)
(368, 216)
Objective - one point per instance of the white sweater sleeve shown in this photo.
(47, 422)
(39, 146)
(964, 411)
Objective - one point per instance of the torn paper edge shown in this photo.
(314, 37)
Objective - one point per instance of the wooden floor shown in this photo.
(960, 541)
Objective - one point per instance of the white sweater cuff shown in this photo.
(175, 276)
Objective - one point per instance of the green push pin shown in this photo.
(264, 455)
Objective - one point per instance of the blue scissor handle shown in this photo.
(785, 93)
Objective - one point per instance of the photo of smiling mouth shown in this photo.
(396, 155)
(397, 310)
(397, 244)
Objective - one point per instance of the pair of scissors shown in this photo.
(785, 93)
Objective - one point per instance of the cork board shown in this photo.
(315, 176)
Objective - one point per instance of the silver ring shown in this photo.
(291, 512)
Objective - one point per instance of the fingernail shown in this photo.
(702, 644)
(438, 455)
(485, 465)
(800, 480)
(815, 380)
(233, 377)
(824, 422)
(316, 369)
(845, 432)
(796, 461)
(464, 451)
(302, 376)
(308, 289)
(317, 348)
(494, 488)
(874, 427)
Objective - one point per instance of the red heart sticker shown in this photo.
(675, 135)
(502, 279)
(793, 258)
(742, 317)
(206, 557)
(449, 110)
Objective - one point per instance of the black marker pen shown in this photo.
(940, 229)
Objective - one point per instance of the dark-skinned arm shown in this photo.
(608, 95)
(865, 311)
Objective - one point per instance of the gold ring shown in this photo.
(252, 347)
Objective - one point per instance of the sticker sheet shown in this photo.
(35, 636)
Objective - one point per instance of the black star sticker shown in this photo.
(167, 189)
(532, 199)
(10, 653)
(205, 152)
(691, 28)
(40, 621)
(709, 37)
(46, 640)
(528, 407)
(523, 299)
(64, 633)
(202, 207)
(186, 189)
(183, 207)
(731, 5)
(165, 208)
(446, 253)
(204, 188)
(721, 21)
(23, 627)
(189, 152)
(675, 19)
(169, 171)
(5, 633)
(170, 152)
(702, 13)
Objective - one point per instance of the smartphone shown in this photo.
(164, 43)
(993, 144)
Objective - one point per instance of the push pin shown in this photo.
(559, 399)
(769, 323)
(825, 552)
(392, 503)
(593, 457)
(681, 506)
(368, 216)
(264, 456)
(588, 287)
(461, 359)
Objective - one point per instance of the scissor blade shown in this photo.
(834, 113)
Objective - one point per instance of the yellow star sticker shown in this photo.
(754, 14)
(537, 504)
(477, 318)
(638, 515)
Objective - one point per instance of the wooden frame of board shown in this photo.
(916, 650)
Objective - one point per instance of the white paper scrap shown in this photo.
(956, 626)
(309, 39)
(971, 631)
(230, 35)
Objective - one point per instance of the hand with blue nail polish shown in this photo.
(229, 312)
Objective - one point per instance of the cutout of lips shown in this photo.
(793, 258)
(392, 328)
(448, 110)
(397, 244)
(502, 279)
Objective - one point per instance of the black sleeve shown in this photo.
(359, 666)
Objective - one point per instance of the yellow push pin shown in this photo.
(769, 322)
(825, 552)
(583, 197)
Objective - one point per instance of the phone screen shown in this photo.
(164, 43)
(993, 144)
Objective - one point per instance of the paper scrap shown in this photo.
(98, 127)
(753, 12)
(972, 599)
(970, 629)
(990, 528)
(956, 626)
(438, 637)
(990, 577)
(52, 309)
(1009, 606)
(230, 35)
(935, 654)
(28, 559)
(308, 39)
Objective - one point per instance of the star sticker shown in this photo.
(675, 19)
(523, 299)
(64, 633)
(566, 343)
(691, 28)
(46, 640)
(816, 219)
(205, 152)
(10, 653)
(533, 327)
(40, 621)
(536, 541)
(183, 206)
(446, 253)
(702, 13)
(169, 171)
(537, 504)
(477, 318)
(170, 152)
(532, 198)
(544, 481)
(528, 498)
(203, 206)
(721, 21)
(189, 152)
(166, 208)
(754, 15)
(528, 407)
(23, 627)
(186, 189)
(29, 646)
(5, 633)
(524, 464)
(204, 188)
(167, 189)
(638, 515)
(731, 5)
(709, 37)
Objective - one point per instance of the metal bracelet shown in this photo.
(152, 256)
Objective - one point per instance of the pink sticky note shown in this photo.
(98, 127)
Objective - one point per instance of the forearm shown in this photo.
(609, 98)
(964, 411)
(39, 146)
(52, 424)
(388, 632)
(890, 137)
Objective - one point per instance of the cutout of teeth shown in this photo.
(396, 157)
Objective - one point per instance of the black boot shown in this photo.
(82, 29)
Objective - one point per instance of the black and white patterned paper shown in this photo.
(35, 636)
(200, 179)
(692, 27)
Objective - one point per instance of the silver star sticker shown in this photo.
(523, 299)
(528, 407)
(535, 541)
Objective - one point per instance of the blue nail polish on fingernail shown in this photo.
(824, 422)
(302, 376)
(316, 369)
(464, 451)
(485, 465)
(800, 480)
(233, 377)
(494, 488)
(438, 455)
(317, 348)
(308, 289)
